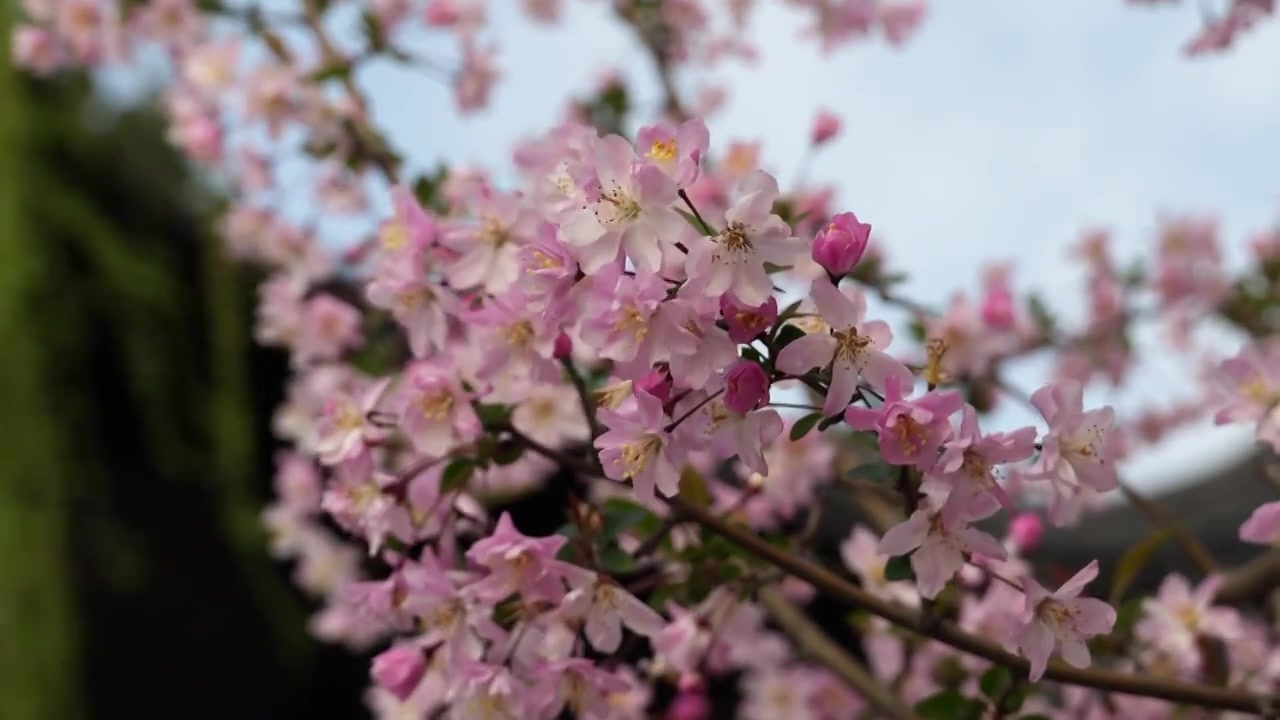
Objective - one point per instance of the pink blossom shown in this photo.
(1061, 620)
(729, 433)
(910, 432)
(605, 608)
(36, 49)
(435, 412)
(488, 247)
(475, 77)
(580, 686)
(1076, 454)
(399, 670)
(997, 307)
(517, 341)
(326, 328)
(1263, 525)
(656, 383)
(901, 19)
(1026, 530)
(677, 151)
(1178, 616)
(689, 704)
(968, 458)
(940, 541)
(825, 127)
(517, 563)
(629, 211)
(1247, 387)
(839, 246)
(746, 386)
(345, 428)
(745, 322)
(852, 347)
(210, 68)
(628, 331)
(861, 555)
(549, 268)
(699, 349)
(638, 448)
(733, 261)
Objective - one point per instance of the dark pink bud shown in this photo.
(825, 127)
(997, 308)
(746, 387)
(1026, 531)
(747, 322)
(399, 670)
(563, 348)
(690, 705)
(840, 245)
(657, 383)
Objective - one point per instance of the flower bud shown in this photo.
(746, 322)
(746, 387)
(997, 308)
(840, 245)
(399, 670)
(825, 127)
(657, 383)
(689, 705)
(1026, 531)
(563, 348)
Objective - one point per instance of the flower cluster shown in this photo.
(645, 313)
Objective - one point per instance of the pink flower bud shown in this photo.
(746, 387)
(825, 127)
(657, 383)
(399, 670)
(997, 308)
(840, 245)
(689, 705)
(1026, 531)
(36, 49)
(563, 348)
(747, 322)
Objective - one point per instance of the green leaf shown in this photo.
(752, 354)
(335, 71)
(693, 488)
(616, 561)
(917, 330)
(493, 414)
(789, 311)
(788, 334)
(946, 705)
(899, 568)
(1041, 315)
(1132, 562)
(994, 681)
(507, 452)
(620, 516)
(828, 422)
(456, 474)
(772, 269)
(880, 473)
(804, 425)
(697, 225)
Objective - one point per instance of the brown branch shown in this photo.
(815, 643)
(838, 588)
(1250, 580)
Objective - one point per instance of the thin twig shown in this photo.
(584, 397)
(815, 643)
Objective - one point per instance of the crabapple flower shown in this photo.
(549, 268)
(1248, 388)
(968, 458)
(840, 244)
(745, 322)
(638, 448)
(851, 346)
(421, 307)
(742, 434)
(488, 248)
(517, 563)
(409, 230)
(676, 151)
(628, 332)
(746, 386)
(344, 429)
(435, 411)
(1076, 452)
(1061, 620)
(699, 348)
(825, 127)
(516, 340)
(910, 431)
(629, 211)
(1178, 615)
(580, 686)
(605, 608)
(733, 261)
(940, 540)
(326, 328)
(1026, 530)
(860, 554)
(399, 669)
(1263, 525)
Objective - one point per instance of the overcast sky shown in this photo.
(1000, 132)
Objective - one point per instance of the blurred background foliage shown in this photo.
(134, 438)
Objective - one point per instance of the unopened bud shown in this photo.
(825, 127)
(840, 245)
